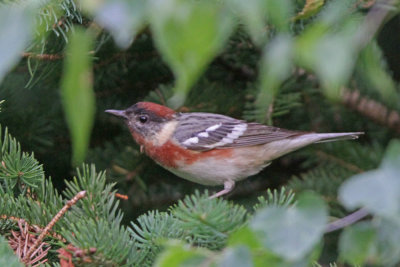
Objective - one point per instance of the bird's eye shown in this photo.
(143, 118)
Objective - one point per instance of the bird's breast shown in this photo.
(172, 155)
(212, 167)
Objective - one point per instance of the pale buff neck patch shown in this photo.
(165, 134)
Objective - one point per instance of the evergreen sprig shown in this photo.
(109, 242)
(95, 222)
(101, 201)
(151, 231)
(324, 179)
(18, 169)
(209, 221)
(196, 220)
(281, 197)
(59, 17)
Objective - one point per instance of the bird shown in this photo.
(213, 149)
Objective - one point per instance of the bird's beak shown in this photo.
(119, 113)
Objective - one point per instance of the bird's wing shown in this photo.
(205, 131)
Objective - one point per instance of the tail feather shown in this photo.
(279, 148)
(331, 137)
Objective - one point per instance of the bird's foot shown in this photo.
(228, 187)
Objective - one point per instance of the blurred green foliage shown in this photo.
(77, 93)
(7, 257)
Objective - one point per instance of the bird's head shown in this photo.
(145, 119)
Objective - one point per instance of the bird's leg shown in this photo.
(228, 186)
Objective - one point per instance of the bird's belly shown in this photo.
(217, 170)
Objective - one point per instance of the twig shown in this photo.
(371, 109)
(346, 221)
(121, 196)
(49, 57)
(53, 221)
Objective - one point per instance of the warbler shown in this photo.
(212, 149)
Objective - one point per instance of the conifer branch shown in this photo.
(371, 109)
(53, 221)
(365, 106)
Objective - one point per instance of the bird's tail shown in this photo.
(330, 137)
(279, 148)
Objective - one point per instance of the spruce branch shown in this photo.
(365, 106)
(346, 221)
(55, 219)
(282, 198)
(209, 221)
(371, 109)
